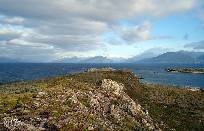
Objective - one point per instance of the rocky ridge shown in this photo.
(104, 106)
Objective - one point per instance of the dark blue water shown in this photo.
(153, 73)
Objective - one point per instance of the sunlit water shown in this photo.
(153, 73)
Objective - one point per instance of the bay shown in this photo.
(152, 73)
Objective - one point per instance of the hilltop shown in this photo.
(99, 99)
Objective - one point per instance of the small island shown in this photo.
(186, 70)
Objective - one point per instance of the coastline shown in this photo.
(186, 70)
(190, 88)
(152, 73)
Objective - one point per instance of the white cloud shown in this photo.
(7, 33)
(131, 34)
(114, 42)
(11, 20)
(157, 50)
(97, 9)
(72, 26)
(201, 15)
(69, 42)
(18, 42)
(29, 51)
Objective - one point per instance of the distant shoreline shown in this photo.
(186, 70)
(190, 88)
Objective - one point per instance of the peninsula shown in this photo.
(99, 99)
(187, 70)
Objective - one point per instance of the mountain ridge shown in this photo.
(168, 57)
(10, 60)
(175, 57)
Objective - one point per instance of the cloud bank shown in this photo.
(47, 29)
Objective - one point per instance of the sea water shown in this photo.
(152, 73)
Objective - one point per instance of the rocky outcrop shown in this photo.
(127, 104)
(112, 86)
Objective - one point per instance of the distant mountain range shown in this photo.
(176, 57)
(102, 59)
(169, 57)
(140, 57)
(10, 60)
(201, 58)
(96, 59)
(74, 59)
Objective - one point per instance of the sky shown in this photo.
(44, 30)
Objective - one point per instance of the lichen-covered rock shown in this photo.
(113, 86)
(126, 103)
(94, 101)
(41, 94)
